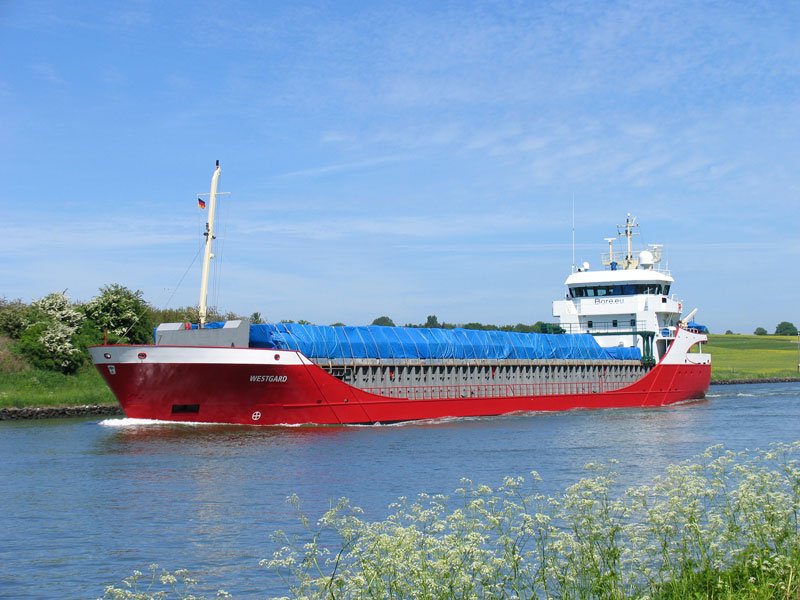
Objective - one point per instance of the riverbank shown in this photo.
(764, 380)
(35, 388)
(59, 412)
(747, 358)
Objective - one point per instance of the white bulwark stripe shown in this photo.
(195, 355)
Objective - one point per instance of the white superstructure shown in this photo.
(629, 303)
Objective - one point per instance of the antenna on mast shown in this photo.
(573, 232)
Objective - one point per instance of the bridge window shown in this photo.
(625, 289)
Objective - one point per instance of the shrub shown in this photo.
(157, 583)
(13, 317)
(123, 313)
(11, 361)
(49, 345)
(724, 526)
(58, 308)
(48, 339)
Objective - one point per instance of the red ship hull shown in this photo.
(267, 387)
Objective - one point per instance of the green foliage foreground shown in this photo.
(40, 388)
(722, 526)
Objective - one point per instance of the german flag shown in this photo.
(201, 203)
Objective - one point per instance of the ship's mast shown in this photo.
(629, 236)
(208, 255)
(630, 223)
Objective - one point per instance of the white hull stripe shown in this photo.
(194, 355)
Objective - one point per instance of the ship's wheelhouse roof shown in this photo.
(620, 276)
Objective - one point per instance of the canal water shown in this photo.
(85, 502)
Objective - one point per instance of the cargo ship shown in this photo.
(624, 344)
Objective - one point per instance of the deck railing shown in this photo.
(623, 327)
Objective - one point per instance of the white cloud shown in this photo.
(344, 167)
(47, 73)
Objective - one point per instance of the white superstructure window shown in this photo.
(623, 289)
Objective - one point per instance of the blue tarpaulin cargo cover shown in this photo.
(697, 327)
(373, 341)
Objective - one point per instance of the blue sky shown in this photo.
(404, 159)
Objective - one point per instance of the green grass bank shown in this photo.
(752, 357)
(735, 358)
(37, 388)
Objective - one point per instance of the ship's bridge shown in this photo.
(628, 282)
(628, 303)
(629, 307)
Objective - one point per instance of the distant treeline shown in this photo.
(782, 328)
(53, 333)
(433, 323)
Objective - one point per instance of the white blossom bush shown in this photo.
(724, 526)
(59, 309)
(157, 584)
(53, 333)
(14, 317)
(57, 340)
(48, 339)
(122, 313)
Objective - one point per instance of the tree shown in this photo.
(728, 332)
(256, 319)
(760, 331)
(50, 337)
(121, 312)
(541, 327)
(189, 314)
(14, 316)
(786, 328)
(432, 322)
(479, 326)
(383, 322)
